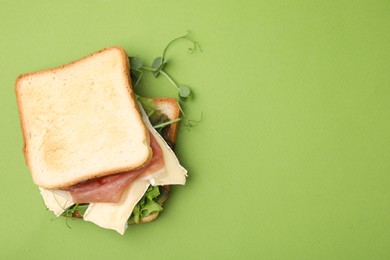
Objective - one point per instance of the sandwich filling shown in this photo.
(110, 189)
(135, 189)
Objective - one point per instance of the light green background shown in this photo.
(291, 160)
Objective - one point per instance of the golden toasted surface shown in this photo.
(80, 120)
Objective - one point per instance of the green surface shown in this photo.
(291, 160)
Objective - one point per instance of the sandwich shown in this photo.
(90, 143)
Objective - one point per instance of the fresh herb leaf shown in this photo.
(136, 213)
(136, 63)
(147, 205)
(150, 207)
(152, 192)
(135, 71)
(158, 64)
(184, 92)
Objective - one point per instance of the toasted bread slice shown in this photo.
(170, 108)
(80, 121)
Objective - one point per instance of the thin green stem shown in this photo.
(181, 109)
(167, 123)
(149, 69)
(166, 47)
(151, 112)
(169, 78)
(186, 37)
(166, 75)
(139, 77)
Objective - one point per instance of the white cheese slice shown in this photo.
(56, 200)
(115, 215)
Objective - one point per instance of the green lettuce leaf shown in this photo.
(150, 207)
(136, 213)
(152, 192)
(147, 205)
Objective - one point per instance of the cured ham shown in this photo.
(109, 189)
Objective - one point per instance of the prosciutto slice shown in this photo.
(109, 189)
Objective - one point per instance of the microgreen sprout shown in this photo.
(75, 210)
(191, 50)
(162, 125)
(158, 65)
(189, 123)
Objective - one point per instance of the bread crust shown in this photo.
(165, 104)
(25, 132)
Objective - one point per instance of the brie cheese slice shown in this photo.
(56, 201)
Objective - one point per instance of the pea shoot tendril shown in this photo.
(158, 65)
